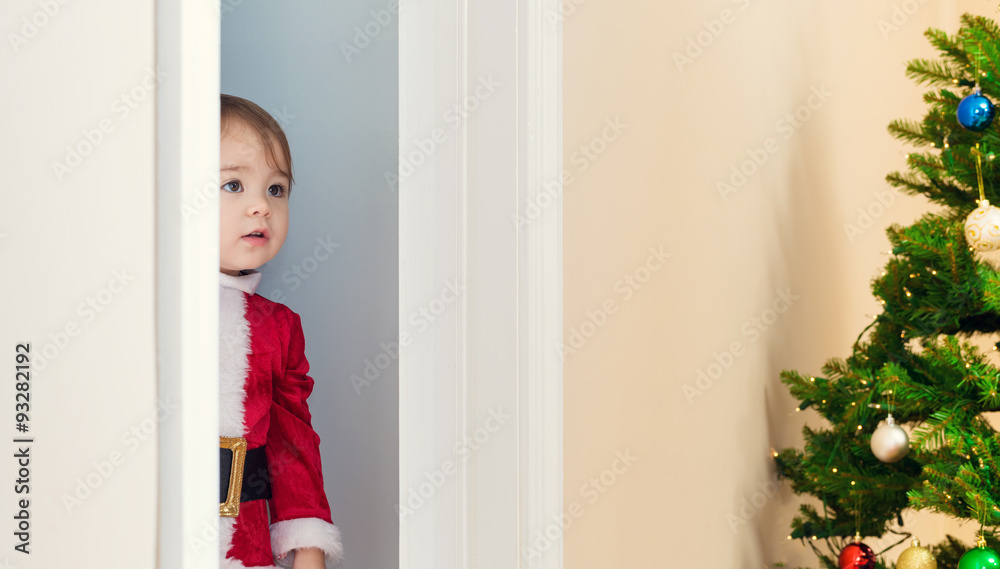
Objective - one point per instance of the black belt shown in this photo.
(251, 474)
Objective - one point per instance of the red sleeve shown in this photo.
(300, 514)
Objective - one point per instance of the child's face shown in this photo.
(254, 197)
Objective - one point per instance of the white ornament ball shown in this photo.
(982, 227)
(890, 442)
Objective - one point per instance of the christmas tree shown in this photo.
(919, 359)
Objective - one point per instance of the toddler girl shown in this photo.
(269, 453)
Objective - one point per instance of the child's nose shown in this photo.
(258, 204)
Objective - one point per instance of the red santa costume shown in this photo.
(264, 386)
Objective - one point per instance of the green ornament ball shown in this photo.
(979, 558)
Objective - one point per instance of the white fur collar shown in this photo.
(246, 281)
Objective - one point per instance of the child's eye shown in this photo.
(277, 190)
(233, 186)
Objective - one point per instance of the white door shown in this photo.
(110, 243)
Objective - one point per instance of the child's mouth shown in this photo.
(255, 238)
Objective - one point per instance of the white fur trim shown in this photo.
(305, 532)
(227, 526)
(234, 349)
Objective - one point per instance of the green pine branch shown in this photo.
(916, 358)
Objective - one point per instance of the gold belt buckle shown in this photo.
(231, 507)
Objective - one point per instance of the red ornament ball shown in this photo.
(857, 556)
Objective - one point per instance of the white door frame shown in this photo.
(187, 280)
(480, 255)
(480, 213)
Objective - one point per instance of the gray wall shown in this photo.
(340, 114)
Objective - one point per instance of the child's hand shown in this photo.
(309, 558)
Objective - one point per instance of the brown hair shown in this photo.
(258, 120)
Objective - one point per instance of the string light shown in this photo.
(834, 469)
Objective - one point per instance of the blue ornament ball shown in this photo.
(975, 112)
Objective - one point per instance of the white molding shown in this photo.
(542, 314)
(493, 350)
(187, 281)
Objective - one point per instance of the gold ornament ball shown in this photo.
(916, 557)
(982, 227)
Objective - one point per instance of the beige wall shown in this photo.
(700, 462)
